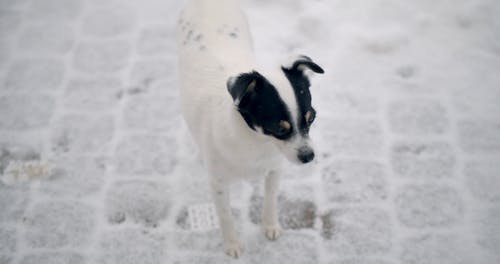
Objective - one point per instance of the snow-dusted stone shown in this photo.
(157, 39)
(483, 179)
(159, 113)
(102, 57)
(488, 230)
(13, 201)
(479, 136)
(202, 259)
(139, 201)
(357, 231)
(296, 208)
(59, 224)
(46, 39)
(418, 117)
(35, 75)
(291, 247)
(8, 239)
(146, 155)
(423, 160)
(53, 258)
(132, 246)
(434, 249)
(9, 22)
(359, 137)
(5, 53)
(13, 152)
(352, 181)
(428, 205)
(54, 9)
(208, 241)
(360, 261)
(79, 134)
(12, 4)
(348, 103)
(19, 112)
(111, 22)
(75, 176)
(95, 95)
(146, 72)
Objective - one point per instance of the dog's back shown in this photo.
(214, 43)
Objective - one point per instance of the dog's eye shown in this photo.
(284, 127)
(310, 117)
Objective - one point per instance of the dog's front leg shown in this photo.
(270, 224)
(220, 192)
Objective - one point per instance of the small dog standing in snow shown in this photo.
(244, 119)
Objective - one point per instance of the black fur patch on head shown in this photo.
(300, 83)
(260, 105)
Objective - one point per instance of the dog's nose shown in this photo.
(306, 154)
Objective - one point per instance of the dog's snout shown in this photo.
(306, 154)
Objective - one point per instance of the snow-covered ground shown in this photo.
(407, 135)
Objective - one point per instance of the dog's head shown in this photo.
(278, 105)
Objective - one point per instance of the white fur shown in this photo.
(229, 148)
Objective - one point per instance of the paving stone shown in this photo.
(479, 136)
(346, 103)
(428, 205)
(159, 113)
(483, 179)
(18, 112)
(5, 53)
(146, 72)
(209, 241)
(433, 249)
(8, 243)
(82, 134)
(10, 21)
(202, 259)
(157, 39)
(352, 181)
(102, 57)
(54, 9)
(488, 230)
(35, 75)
(4, 259)
(423, 160)
(59, 224)
(75, 177)
(12, 4)
(11, 152)
(358, 137)
(360, 261)
(109, 22)
(53, 258)
(46, 39)
(93, 95)
(297, 211)
(13, 201)
(146, 155)
(147, 203)
(132, 246)
(293, 248)
(357, 231)
(418, 117)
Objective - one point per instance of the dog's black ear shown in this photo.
(243, 85)
(301, 63)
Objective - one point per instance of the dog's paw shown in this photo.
(233, 249)
(272, 232)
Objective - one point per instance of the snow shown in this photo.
(407, 135)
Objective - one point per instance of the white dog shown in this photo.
(242, 118)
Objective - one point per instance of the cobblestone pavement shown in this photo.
(408, 135)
